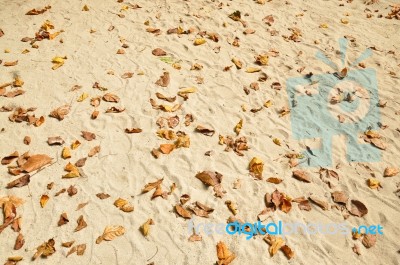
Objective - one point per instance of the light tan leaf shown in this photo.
(110, 233)
(256, 167)
(182, 211)
(35, 162)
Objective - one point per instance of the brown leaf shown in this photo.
(71, 251)
(95, 102)
(149, 186)
(88, 136)
(225, 256)
(391, 172)
(94, 114)
(67, 244)
(339, 197)
(80, 249)
(63, 219)
(8, 159)
(16, 224)
(358, 208)
(110, 233)
(60, 112)
(256, 167)
(232, 207)
(184, 198)
(301, 175)
(188, 119)
(56, 140)
(133, 130)
(102, 196)
(195, 237)
(11, 63)
(274, 180)
(45, 250)
(356, 249)
(27, 140)
(19, 182)
(34, 11)
(111, 98)
(204, 130)
(81, 224)
(14, 93)
(182, 211)
(60, 192)
(209, 178)
(72, 190)
(94, 151)
(19, 242)
(127, 75)
(369, 240)
(36, 162)
(164, 80)
(159, 52)
(81, 162)
(169, 99)
(286, 205)
(115, 110)
(289, 253)
(321, 203)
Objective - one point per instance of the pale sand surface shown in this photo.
(125, 163)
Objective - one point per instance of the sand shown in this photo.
(90, 41)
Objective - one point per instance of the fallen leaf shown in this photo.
(88, 136)
(237, 63)
(95, 150)
(232, 207)
(67, 244)
(81, 224)
(123, 205)
(238, 127)
(19, 182)
(108, 97)
(167, 148)
(85, 8)
(369, 240)
(63, 219)
(19, 242)
(145, 228)
(225, 256)
(8, 159)
(164, 80)
(358, 208)
(252, 70)
(115, 110)
(60, 112)
(204, 130)
(301, 175)
(66, 153)
(82, 97)
(45, 250)
(110, 233)
(339, 197)
(182, 211)
(199, 41)
(72, 190)
(43, 200)
(159, 52)
(27, 140)
(256, 167)
(133, 130)
(374, 183)
(14, 63)
(102, 196)
(391, 172)
(321, 203)
(36, 162)
(289, 253)
(127, 75)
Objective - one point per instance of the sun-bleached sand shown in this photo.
(110, 45)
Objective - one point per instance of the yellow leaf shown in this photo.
(323, 26)
(66, 153)
(58, 59)
(252, 69)
(43, 200)
(373, 183)
(83, 97)
(145, 228)
(199, 41)
(72, 174)
(256, 167)
(110, 233)
(276, 141)
(25, 51)
(75, 144)
(177, 66)
(268, 103)
(238, 127)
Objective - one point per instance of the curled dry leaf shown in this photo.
(301, 175)
(102, 196)
(72, 190)
(63, 219)
(274, 180)
(133, 130)
(373, 183)
(80, 249)
(60, 112)
(45, 250)
(81, 205)
(182, 211)
(81, 224)
(195, 237)
(358, 208)
(27, 140)
(232, 207)
(19, 242)
(55, 140)
(184, 198)
(289, 253)
(67, 244)
(81, 162)
(145, 228)
(369, 240)
(110, 233)
(225, 256)
(238, 127)
(204, 130)
(8, 159)
(321, 203)
(19, 182)
(127, 75)
(14, 63)
(123, 205)
(43, 200)
(256, 167)
(148, 187)
(167, 148)
(237, 63)
(115, 110)
(108, 97)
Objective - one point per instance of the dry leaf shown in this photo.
(164, 80)
(72, 190)
(27, 140)
(339, 197)
(238, 127)
(182, 211)
(374, 183)
(63, 219)
(56, 140)
(110, 233)
(45, 250)
(195, 237)
(81, 162)
(123, 205)
(204, 130)
(301, 175)
(88, 136)
(108, 97)
(321, 203)
(127, 75)
(133, 130)
(19, 242)
(43, 200)
(199, 41)
(75, 144)
(369, 240)
(8, 159)
(145, 228)
(391, 172)
(36, 162)
(161, 96)
(11, 63)
(60, 112)
(225, 256)
(66, 153)
(167, 148)
(67, 244)
(102, 196)
(256, 167)
(358, 208)
(274, 180)
(115, 110)
(81, 224)
(238, 63)
(95, 150)
(19, 182)
(159, 52)
(232, 207)
(289, 253)
(148, 187)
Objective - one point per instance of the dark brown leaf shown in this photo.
(19, 182)
(204, 130)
